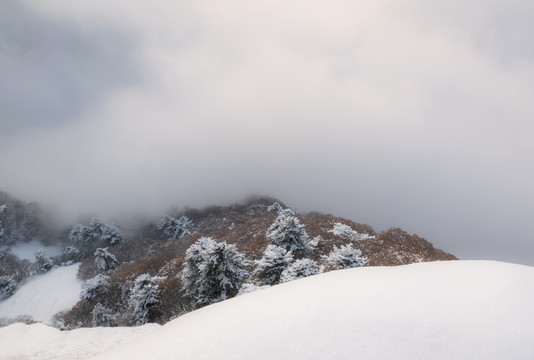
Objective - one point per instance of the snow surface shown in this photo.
(45, 342)
(27, 250)
(445, 310)
(44, 295)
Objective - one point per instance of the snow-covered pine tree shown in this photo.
(96, 224)
(81, 235)
(84, 238)
(276, 207)
(143, 297)
(299, 269)
(175, 228)
(105, 260)
(103, 317)
(42, 262)
(344, 257)
(111, 235)
(213, 271)
(287, 232)
(93, 287)
(347, 233)
(269, 268)
(8, 285)
(71, 254)
(87, 238)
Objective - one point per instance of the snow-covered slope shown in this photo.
(446, 310)
(44, 295)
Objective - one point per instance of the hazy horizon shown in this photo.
(396, 114)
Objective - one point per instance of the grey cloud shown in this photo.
(384, 113)
(52, 71)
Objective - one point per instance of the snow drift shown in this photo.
(445, 310)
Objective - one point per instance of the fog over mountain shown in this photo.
(409, 114)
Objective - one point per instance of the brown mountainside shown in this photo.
(244, 225)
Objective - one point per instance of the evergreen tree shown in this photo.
(103, 317)
(344, 257)
(143, 297)
(299, 269)
(71, 254)
(105, 260)
(276, 207)
(88, 238)
(8, 286)
(93, 288)
(213, 271)
(82, 236)
(42, 262)
(287, 232)
(175, 228)
(347, 233)
(269, 268)
(111, 235)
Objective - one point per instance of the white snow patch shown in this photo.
(45, 342)
(45, 295)
(446, 310)
(27, 250)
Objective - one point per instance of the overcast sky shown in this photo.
(410, 113)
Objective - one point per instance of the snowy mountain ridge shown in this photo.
(193, 258)
(441, 310)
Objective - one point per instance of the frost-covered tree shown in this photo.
(175, 228)
(299, 269)
(344, 257)
(143, 297)
(88, 238)
(43, 263)
(111, 235)
(82, 236)
(276, 207)
(213, 271)
(71, 254)
(347, 233)
(105, 260)
(103, 317)
(269, 268)
(287, 232)
(8, 286)
(92, 288)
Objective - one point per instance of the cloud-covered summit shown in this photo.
(404, 114)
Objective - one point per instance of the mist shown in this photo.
(412, 115)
